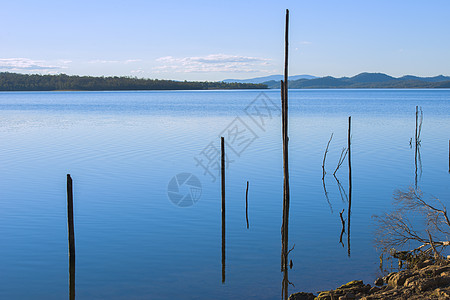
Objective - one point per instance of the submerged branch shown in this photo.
(341, 159)
(325, 156)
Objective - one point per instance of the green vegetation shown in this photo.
(23, 82)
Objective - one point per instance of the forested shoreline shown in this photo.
(61, 82)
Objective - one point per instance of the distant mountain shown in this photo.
(371, 77)
(269, 78)
(439, 78)
(367, 80)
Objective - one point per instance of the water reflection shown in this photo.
(71, 236)
(417, 158)
(223, 246)
(349, 183)
(343, 227)
(326, 194)
(246, 205)
(285, 267)
(222, 142)
(346, 152)
(72, 277)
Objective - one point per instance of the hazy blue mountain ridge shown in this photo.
(367, 80)
(269, 78)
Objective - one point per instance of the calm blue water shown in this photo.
(132, 242)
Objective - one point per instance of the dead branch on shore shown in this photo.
(395, 231)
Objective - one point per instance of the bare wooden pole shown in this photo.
(222, 147)
(71, 235)
(246, 205)
(286, 197)
(349, 182)
(286, 52)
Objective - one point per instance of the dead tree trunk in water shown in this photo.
(286, 196)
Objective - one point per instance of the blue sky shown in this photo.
(215, 40)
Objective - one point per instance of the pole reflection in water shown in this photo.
(246, 205)
(285, 285)
(71, 277)
(223, 248)
(417, 159)
(349, 184)
(71, 235)
(343, 227)
(222, 146)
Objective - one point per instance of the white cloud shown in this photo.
(211, 63)
(29, 65)
(101, 61)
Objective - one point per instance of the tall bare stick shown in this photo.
(286, 197)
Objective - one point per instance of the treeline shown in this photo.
(35, 82)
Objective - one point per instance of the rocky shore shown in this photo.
(427, 280)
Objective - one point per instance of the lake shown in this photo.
(147, 192)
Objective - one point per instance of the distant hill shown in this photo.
(367, 80)
(269, 78)
(439, 78)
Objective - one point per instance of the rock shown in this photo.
(351, 284)
(399, 278)
(326, 295)
(430, 282)
(379, 281)
(434, 282)
(302, 296)
(388, 276)
(411, 281)
(374, 290)
(348, 296)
